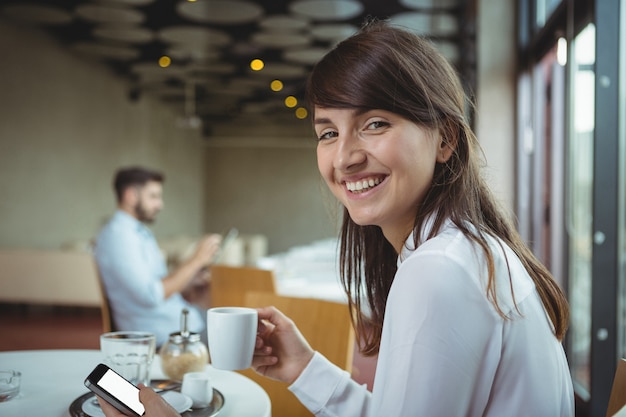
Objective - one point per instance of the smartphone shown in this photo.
(226, 241)
(115, 389)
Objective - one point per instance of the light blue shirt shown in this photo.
(132, 266)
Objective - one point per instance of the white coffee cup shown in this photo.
(232, 335)
(197, 386)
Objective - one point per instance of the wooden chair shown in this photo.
(105, 306)
(229, 284)
(617, 400)
(326, 326)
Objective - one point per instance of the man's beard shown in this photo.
(143, 215)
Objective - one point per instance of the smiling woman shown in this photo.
(441, 285)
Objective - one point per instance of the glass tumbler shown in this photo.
(129, 353)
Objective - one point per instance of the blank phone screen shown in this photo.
(122, 390)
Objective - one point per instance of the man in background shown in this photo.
(142, 293)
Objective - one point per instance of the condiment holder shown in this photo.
(183, 352)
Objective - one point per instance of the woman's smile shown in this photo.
(361, 186)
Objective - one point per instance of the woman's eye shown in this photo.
(377, 124)
(327, 135)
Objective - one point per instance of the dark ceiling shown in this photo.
(212, 42)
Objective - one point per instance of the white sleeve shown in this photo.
(329, 391)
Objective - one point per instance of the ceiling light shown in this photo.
(257, 64)
(291, 101)
(109, 14)
(197, 54)
(301, 113)
(276, 85)
(165, 61)
(194, 36)
(440, 24)
(224, 12)
(308, 56)
(327, 9)
(283, 23)
(333, 32)
(280, 40)
(428, 4)
(124, 33)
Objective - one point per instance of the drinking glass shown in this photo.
(129, 353)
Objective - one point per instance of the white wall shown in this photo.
(276, 191)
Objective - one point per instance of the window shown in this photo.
(579, 213)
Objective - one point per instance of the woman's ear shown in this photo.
(447, 144)
(445, 151)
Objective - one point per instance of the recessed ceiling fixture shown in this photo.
(284, 23)
(109, 14)
(227, 12)
(429, 4)
(123, 33)
(198, 36)
(327, 9)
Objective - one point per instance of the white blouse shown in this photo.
(445, 350)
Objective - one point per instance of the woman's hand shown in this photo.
(154, 404)
(108, 409)
(281, 351)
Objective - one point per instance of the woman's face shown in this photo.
(378, 164)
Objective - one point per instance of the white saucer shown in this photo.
(180, 403)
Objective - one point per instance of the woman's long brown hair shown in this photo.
(383, 67)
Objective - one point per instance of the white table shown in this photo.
(53, 379)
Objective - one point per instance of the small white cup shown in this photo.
(197, 386)
(232, 335)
